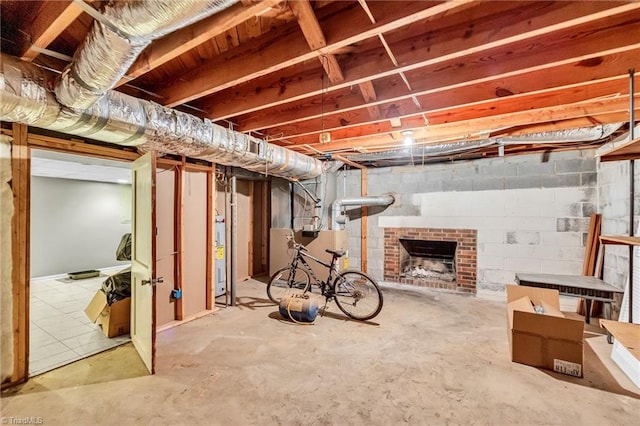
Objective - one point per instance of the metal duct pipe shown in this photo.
(581, 134)
(121, 119)
(119, 34)
(337, 219)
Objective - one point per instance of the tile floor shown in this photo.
(60, 332)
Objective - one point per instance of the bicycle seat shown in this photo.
(336, 253)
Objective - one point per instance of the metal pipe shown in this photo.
(122, 30)
(632, 179)
(338, 220)
(121, 119)
(234, 238)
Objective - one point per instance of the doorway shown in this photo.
(80, 210)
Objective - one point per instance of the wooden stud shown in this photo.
(364, 175)
(20, 184)
(178, 240)
(252, 224)
(210, 242)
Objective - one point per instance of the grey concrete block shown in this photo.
(498, 170)
(589, 179)
(484, 184)
(576, 165)
(404, 210)
(569, 224)
(470, 171)
(558, 181)
(523, 237)
(439, 174)
(412, 176)
(518, 182)
(588, 209)
(535, 168)
(430, 186)
(457, 185)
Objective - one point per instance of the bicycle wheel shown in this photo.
(357, 295)
(287, 281)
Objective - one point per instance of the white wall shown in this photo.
(76, 225)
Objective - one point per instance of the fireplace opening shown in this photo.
(433, 260)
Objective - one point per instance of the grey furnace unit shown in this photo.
(219, 257)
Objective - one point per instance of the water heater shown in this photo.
(219, 262)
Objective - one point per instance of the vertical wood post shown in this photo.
(363, 221)
(210, 242)
(178, 240)
(20, 184)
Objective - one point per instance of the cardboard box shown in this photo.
(114, 320)
(545, 340)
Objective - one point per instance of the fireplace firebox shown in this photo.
(432, 257)
(428, 259)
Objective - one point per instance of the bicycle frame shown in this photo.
(300, 257)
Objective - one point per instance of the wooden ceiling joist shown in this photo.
(420, 52)
(441, 88)
(52, 19)
(183, 40)
(211, 77)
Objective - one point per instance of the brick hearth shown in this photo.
(466, 256)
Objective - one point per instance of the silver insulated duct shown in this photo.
(119, 34)
(121, 119)
(581, 134)
(338, 219)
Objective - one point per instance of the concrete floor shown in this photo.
(429, 358)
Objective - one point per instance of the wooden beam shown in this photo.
(20, 230)
(80, 147)
(178, 308)
(364, 229)
(310, 27)
(369, 95)
(211, 77)
(471, 128)
(453, 105)
(185, 39)
(309, 24)
(210, 240)
(52, 19)
(629, 150)
(592, 37)
(472, 83)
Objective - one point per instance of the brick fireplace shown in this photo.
(465, 258)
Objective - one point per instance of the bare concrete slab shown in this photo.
(428, 358)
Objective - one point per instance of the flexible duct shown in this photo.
(338, 219)
(121, 32)
(121, 119)
(582, 134)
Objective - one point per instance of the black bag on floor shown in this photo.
(118, 286)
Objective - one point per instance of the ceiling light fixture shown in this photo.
(408, 137)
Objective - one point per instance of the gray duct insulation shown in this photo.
(121, 119)
(581, 134)
(337, 219)
(121, 32)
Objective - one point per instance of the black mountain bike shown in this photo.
(355, 293)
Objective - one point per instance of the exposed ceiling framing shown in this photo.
(348, 77)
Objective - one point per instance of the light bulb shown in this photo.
(408, 137)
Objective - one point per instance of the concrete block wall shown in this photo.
(531, 211)
(613, 202)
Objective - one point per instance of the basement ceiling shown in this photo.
(349, 79)
(68, 166)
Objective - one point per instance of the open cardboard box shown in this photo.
(545, 340)
(114, 320)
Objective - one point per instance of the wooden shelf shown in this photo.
(626, 151)
(620, 240)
